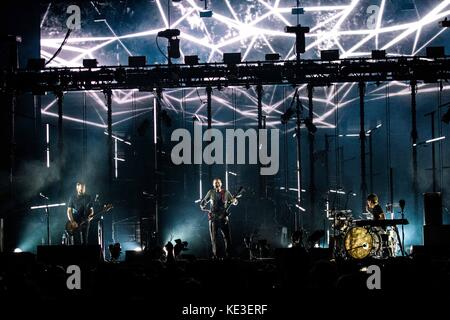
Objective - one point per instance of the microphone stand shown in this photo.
(47, 212)
(403, 232)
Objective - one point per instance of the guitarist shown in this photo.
(219, 199)
(79, 209)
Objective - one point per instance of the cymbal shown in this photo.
(339, 211)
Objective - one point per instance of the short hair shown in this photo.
(80, 182)
(372, 198)
(217, 179)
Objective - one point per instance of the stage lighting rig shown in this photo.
(299, 32)
(173, 48)
(206, 13)
(444, 23)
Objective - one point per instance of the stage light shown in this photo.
(445, 23)
(435, 52)
(378, 54)
(191, 60)
(206, 13)
(446, 116)
(169, 33)
(232, 58)
(329, 55)
(174, 48)
(90, 63)
(435, 139)
(137, 61)
(137, 249)
(299, 32)
(17, 250)
(272, 56)
(297, 11)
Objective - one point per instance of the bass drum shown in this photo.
(361, 242)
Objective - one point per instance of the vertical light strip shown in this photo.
(155, 129)
(115, 158)
(200, 187)
(47, 129)
(226, 177)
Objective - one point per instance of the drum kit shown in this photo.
(359, 239)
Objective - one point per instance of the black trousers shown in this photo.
(224, 226)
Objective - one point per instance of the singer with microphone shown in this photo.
(80, 212)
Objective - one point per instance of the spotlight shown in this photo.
(174, 48)
(445, 23)
(174, 43)
(297, 11)
(17, 250)
(137, 61)
(206, 14)
(169, 33)
(446, 116)
(191, 60)
(287, 115)
(90, 63)
(272, 56)
(299, 36)
(329, 55)
(378, 54)
(232, 58)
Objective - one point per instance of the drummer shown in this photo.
(374, 208)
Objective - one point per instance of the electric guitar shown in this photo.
(71, 227)
(226, 212)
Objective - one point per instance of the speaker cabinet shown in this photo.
(432, 206)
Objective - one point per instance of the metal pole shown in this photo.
(259, 92)
(60, 98)
(371, 162)
(362, 138)
(414, 137)
(209, 114)
(157, 161)
(312, 186)
(299, 167)
(108, 94)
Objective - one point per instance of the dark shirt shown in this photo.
(377, 212)
(80, 205)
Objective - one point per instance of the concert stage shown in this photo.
(262, 147)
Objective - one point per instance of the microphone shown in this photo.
(402, 203)
(43, 196)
